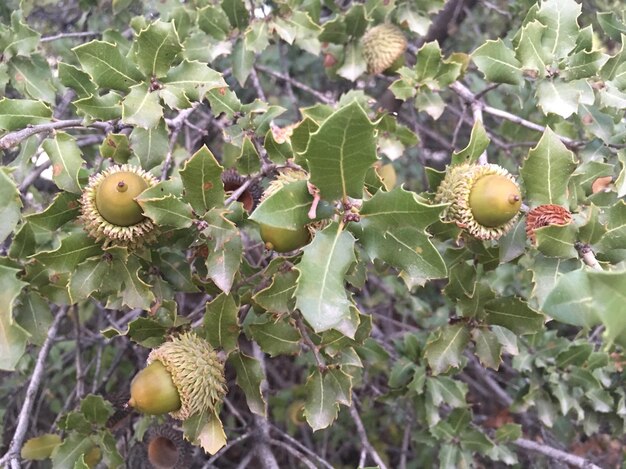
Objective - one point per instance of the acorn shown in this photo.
(383, 47)
(109, 209)
(40, 447)
(484, 200)
(284, 240)
(166, 448)
(184, 376)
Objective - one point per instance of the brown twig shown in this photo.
(555, 454)
(363, 437)
(281, 76)
(319, 360)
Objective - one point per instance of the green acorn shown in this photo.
(383, 45)
(183, 377)
(110, 211)
(484, 199)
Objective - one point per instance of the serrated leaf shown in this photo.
(498, 63)
(19, 113)
(530, 51)
(320, 408)
(22, 39)
(141, 107)
(201, 176)
(249, 378)
(87, 278)
(221, 325)
(286, 208)
(277, 297)
(95, 409)
(546, 271)
(276, 337)
(615, 235)
(169, 210)
(479, 141)
(571, 301)
(206, 430)
(12, 336)
(393, 225)
(224, 260)
(68, 453)
(193, 79)
(213, 21)
(135, 293)
(156, 47)
(224, 100)
(150, 145)
(32, 77)
(557, 240)
(321, 295)
(514, 314)
(562, 98)
(340, 152)
(73, 77)
(353, 63)
(176, 269)
(546, 171)
(242, 60)
(106, 64)
(32, 313)
(10, 204)
(104, 107)
(446, 349)
(73, 250)
(116, 147)
(442, 389)
(561, 20)
(609, 289)
(66, 159)
(488, 348)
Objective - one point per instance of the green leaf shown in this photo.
(530, 51)
(201, 176)
(63, 208)
(33, 314)
(442, 389)
(12, 336)
(286, 208)
(213, 21)
(278, 296)
(71, 451)
(340, 152)
(73, 250)
(547, 170)
(479, 141)
(248, 161)
(95, 409)
(557, 240)
(224, 100)
(488, 348)
(87, 278)
(249, 377)
(609, 290)
(514, 314)
(611, 24)
(432, 70)
(562, 98)
(10, 204)
(276, 337)
(104, 107)
(176, 269)
(257, 36)
(150, 145)
(66, 159)
(156, 48)
(354, 64)
(498, 63)
(242, 60)
(237, 13)
(446, 349)
(393, 225)
(105, 63)
(22, 40)
(135, 292)
(19, 113)
(32, 77)
(169, 210)
(561, 20)
(192, 79)
(572, 300)
(73, 77)
(141, 107)
(320, 408)
(144, 331)
(205, 430)
(321, 295)
(116, 147)
(546, 271)
(221, 325)
(615, 235)
(508, 432)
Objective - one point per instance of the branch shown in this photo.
(176, 124)
(587, 255)
(13, 138)
(12, 455)
(470, 97)
(556, 454)
(321, 363)
(281, 76)
(363, 436)
(68, 35)
(262, 448)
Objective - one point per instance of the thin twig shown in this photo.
(303, 448)
(12, 455)
(13, 138)
(291, 450)
(587, 256)
(223, 449)
(262, 448)
(321, 363)
(175, 124)
(363, 436)
(56, 37)
(297, 84)
(555, 454)
(80, 373)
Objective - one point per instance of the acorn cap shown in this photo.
(382, 45)
(196, 371)
(284, 177)
(250, 197)
(473, 204)
(545, 215)
(109, 210)
(166, 448)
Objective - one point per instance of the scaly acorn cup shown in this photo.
(166, 448)
(184, 376)
(382, 46)
(109, 210)
(484, 199)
